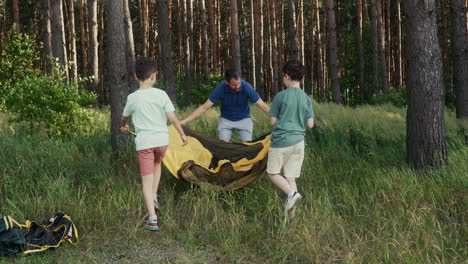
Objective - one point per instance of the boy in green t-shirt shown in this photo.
(150, 108)
(291, 114)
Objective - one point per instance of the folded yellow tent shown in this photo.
(214, 163)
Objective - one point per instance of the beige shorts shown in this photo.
(289, 159)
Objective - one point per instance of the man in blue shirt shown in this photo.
(234, 95)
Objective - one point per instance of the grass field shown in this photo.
(362, 204)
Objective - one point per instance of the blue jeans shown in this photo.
(244, 128)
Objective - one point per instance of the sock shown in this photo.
(153, 218)
(291, 194)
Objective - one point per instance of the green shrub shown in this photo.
(397, 98)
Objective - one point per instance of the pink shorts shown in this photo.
(148, 157)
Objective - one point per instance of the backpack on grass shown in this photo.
(33, 237)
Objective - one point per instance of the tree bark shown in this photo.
(381, 43)
(300, 30)
(259, 53)
(320, 73)
(398, 64)
(166, 51)
(425, 127)
(204, 37)
(47, 35)
(130, 48)
(59, 50)
(93, 44)
(118, 73)
(143, 9)
(274, 47)
(212, 36)
(72, 41)
(332, 53)
(361, 91)
(189, 50)
(292, 32)
(235, 42)
(83, 37)
(15, 8)
(375, 49)
(459, 56)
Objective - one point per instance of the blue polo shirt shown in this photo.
(234, 105)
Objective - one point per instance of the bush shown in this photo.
(397, 98)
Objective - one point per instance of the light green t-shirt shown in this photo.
(148, 109)
(292, 107)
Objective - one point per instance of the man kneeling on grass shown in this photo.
(291, 114)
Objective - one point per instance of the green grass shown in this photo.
(362, 203)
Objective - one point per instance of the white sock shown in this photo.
(291, 194)
(153, 218)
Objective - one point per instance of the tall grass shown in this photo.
(362, 203)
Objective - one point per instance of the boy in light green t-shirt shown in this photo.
(150, 108)
(291, 114)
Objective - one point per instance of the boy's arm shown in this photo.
(175, 121)
(265, 108)
(198, 112)
(273, 120)
(124, 127)
(310, 122)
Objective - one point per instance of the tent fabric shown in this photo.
(35, 237)
(213, 163)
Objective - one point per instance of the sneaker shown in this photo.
(152, 225)
(291, 203)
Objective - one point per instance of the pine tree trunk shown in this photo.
(213, 46)
(93, 43)
(292, 34)
(189, 50)
(83, 38)
(59, 50)
(425, 128)
(204, 36)
(72, 41)
(398, 64)
(300, 30)
(332, 53)
(381, 43)
(320, 73)
(259, 52)
(375, 49)
(118, 74)
(130, 48)
(459, 56)
(274, 47)
(166, 51)
(444, 36)
(143, 8)
(15, 8)
(235, 42)
(181, 33)
(361, 91)
(47, 35)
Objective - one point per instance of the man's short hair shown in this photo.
(144, 68)
(294, 69)
(231, 73)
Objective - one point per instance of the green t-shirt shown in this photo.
(292, 107)
(148, 109)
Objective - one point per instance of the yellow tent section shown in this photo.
(214, 163)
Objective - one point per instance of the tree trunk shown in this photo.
(104, 89)
(398, 64)
(143, 8)
(72, 40)
(47, 36)
(444, 36)
(59, 50)
(300, 30)
(212, 18)
(320, 74)
(375, 49)
(181, 33)
(93, 44)
(166, 51)
(332, 53)
(459, 56)
(258, 35)
(130, 48)
(235, 42)
(381, 38)
(274, 48)
(204, 36)
(14, 6)
(361, 92)
(189, 50)
(425, 128)
(118, 74)
(293, 49)
(83, 38)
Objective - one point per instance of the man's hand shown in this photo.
(184, 140)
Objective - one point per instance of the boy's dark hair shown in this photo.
(294, 69)
(231, 73)
(144, 68)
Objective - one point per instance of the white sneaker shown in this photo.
(291, 203)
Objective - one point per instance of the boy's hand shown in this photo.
(125, 129)
(183, 122)
(184, 140)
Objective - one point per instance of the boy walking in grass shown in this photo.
(291, 114)
(150, 107)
